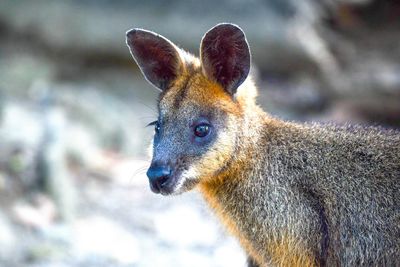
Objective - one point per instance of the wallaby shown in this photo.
(293, 194)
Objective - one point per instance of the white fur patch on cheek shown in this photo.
(179, 185)
(190, 174)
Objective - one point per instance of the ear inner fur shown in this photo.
(158, 58)
(225, 56)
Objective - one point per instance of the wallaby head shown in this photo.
(201, 106)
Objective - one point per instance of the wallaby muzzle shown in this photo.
(159, 177)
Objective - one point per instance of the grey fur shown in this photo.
(336, 189)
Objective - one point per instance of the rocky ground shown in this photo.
(118, 223)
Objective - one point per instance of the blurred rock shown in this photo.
(3, 182)
(22, 69)
(183, 226)
(60, 234)
(8, 240)
(20, 125)
(100, 237)
(38, 215)
(52, 167)
(92, 34)
(20, 133)
(2, 102)
(230, 254)
(341, 48)
(46, 252)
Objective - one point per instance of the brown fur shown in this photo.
(293, 194)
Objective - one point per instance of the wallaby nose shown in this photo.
(158, 176)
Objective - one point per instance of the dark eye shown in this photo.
(156, 126)
(202, 130)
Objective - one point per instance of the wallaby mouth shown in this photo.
(165, 186)
(161, 179)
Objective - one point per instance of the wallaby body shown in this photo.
(293, 194)
(314, 196)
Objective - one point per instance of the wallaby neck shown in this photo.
(246, 162)
(229, 182)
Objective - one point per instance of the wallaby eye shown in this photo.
(202, 130)
(156, 126)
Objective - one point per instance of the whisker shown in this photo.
(140, 170)
(145, 160)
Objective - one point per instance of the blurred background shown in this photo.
(74, 106)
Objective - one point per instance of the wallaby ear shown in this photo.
(225, 56)
(157, 57)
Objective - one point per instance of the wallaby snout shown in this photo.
(159, 175)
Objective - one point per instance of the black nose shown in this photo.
(158, 176)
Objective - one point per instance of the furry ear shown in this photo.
(225, 56)
(157, 57)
